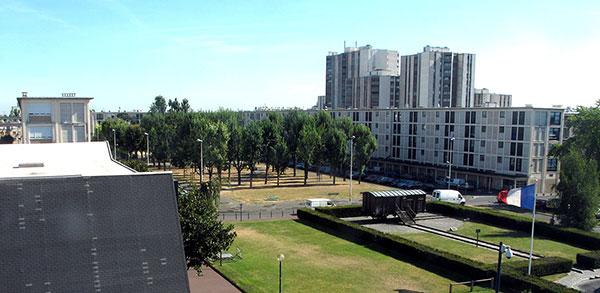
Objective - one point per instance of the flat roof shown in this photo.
(59, 159)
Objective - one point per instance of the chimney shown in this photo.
(24, 94)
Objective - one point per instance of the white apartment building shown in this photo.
(484, 98)
(491, 148)
(437, 77)
(362, 77)
(55, 119)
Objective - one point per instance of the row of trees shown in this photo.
(579, 185)
(230, 142)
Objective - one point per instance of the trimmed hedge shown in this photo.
(542, 266)
(589, 260)
(342, 211)
(418, 253)
(575, 237)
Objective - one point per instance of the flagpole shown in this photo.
(532, 228)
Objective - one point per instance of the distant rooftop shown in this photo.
(58, 159)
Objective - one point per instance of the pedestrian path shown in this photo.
(209, 282)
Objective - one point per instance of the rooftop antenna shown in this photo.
(344, 43)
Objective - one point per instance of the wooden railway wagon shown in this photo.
(380, 204)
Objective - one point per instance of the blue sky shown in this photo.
(242, 54)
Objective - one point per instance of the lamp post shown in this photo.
(201, 161)
(147, 148)
(280, 259)
(449, 162)
(351, 159)
(506, 250)
(114, 143)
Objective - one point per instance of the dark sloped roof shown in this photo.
(397, 192)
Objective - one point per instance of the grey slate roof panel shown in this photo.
(91, 234)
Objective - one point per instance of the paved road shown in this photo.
(210, 281)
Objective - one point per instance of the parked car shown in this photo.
(448, 195)
(313, 203)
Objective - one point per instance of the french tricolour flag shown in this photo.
(523, 197)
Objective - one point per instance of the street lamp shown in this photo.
(201, 161)
(280, 259)
(449, 162)
(147, 148)
(351, 159)
(114, 143)
(506, 250)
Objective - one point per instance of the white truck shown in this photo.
(318, 202)
(448, 195)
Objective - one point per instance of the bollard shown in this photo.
(282, 213)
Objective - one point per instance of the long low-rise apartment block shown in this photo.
(491, 148)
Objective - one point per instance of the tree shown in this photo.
(216, 147)
(159, 106)
(272, 131)
(204, 236)
(307, 144)
(579, 190)
(7, 139)
(335, 149)
(281, 157)
(586, 126)
(185, 106)
(364, 146)
(133, 140)
(252, 142)
(292, 124)
(234, 149)
(14, 112)
(106, 131)
(323, 122)
(174, 106)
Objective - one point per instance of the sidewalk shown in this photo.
(209, 282)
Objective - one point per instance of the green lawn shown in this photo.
(318, 262)
(519, 240)
(455, 247)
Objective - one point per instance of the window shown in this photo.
(481, 158)
(500, 144)
(501, 129)
(502, 114)
(552, 164)
(437, 127)
(554, 134)
(78, 112)
(482, 144)
(422, 152)
(483, 129)
(499, 160)
(40, 133)
(555, 118)
(484, 114)
(437, 140)
(66, 113)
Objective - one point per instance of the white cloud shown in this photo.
(541, 71)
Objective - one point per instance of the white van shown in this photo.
(448, 195)
(318, 202)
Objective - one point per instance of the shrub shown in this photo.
(541, 266)
(342, 211)
(576, 237)
(137, 165)
(589, 260)
(417, 253)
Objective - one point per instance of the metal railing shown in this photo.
(242, 215)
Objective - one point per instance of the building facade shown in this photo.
(491, 148)
(55, 119)
(484, 98)
(437, 77)
(359, 77)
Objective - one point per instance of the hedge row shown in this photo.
(576, 237)
(542, 266)
(589, 260)
(342, 211)
(418, 253)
